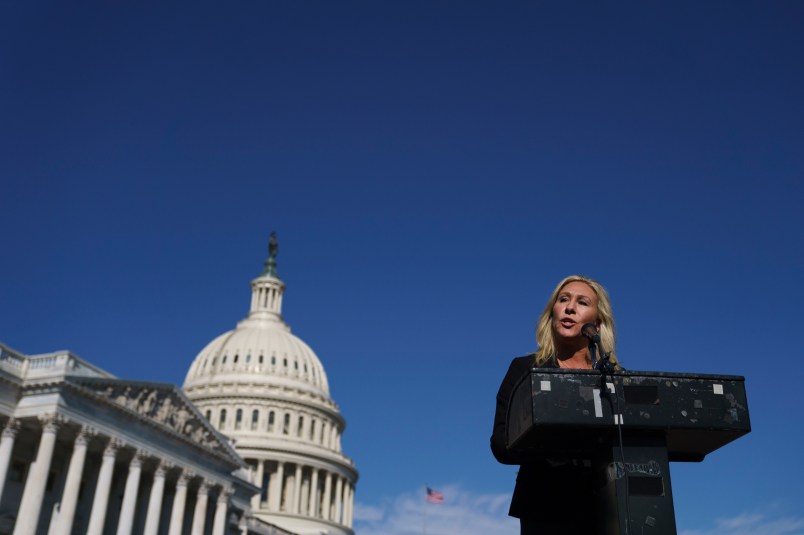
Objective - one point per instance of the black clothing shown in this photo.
(548, 492)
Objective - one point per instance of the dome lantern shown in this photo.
(267, 289)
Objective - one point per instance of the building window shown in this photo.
(248, 359)
(271, 421)
(273, 361)
(312, 429)
(286, 425)
(222, 421)
(301, 426)
(239, 418)
(285, 363)
(236, 357)
(223, 361)
(261, 357)
(209, 415)
(255, 416)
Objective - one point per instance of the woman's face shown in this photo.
(575, 305)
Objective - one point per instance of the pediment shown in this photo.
(162, 405)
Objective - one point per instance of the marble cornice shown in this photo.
(319, 459)
(260, 391)
(9, 381)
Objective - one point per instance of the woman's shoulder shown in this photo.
(525, 361)
(521, 365)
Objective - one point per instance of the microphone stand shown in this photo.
(605, 367)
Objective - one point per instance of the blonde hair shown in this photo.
(605, 317)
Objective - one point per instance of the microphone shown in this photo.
(589, 331)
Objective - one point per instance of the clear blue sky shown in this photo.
(432, 169)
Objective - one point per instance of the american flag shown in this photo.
(433, 496)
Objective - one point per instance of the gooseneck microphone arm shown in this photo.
(590, 331)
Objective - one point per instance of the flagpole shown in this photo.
(424, 515)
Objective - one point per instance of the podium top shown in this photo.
(554, 409)
(637, 373)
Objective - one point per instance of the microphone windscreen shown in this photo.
(590, 332)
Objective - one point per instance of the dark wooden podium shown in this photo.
(628, 426)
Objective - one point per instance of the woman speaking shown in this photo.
(552, 495)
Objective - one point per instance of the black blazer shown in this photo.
(548, 490)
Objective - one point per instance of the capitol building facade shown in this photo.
(250, 445)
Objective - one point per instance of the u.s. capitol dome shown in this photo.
(266, 389)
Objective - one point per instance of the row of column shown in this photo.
(33, 492)
(266, 297)
(306, 491)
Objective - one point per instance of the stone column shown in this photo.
(129, 505)
(221, 510)
(296, 489)
(351, 505)
(155, 502)
(338, 499)
(72, 484)
(98, 515)
(276, 496)
(287, 489)
(313, 493)
(200, 513)
(31, 503)
(326, 511)
(304, 503)
(177, 513)
(256, 501)
(346, 492)
(6, 448)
